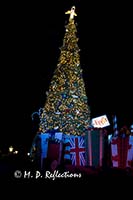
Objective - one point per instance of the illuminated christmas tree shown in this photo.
(66, 108)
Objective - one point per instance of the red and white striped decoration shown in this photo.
(130, 152)
(114, 152)
(115, 130)
(122, 151)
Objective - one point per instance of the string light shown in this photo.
(66, 106)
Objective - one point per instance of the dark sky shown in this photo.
(31, 37)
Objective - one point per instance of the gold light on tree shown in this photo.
(66, 107)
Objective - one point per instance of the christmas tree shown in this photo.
(66, 108)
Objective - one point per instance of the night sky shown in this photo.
(31, 37)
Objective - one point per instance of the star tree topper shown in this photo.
(72, 13)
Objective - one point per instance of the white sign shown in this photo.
(100, 122)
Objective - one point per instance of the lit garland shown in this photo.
(66, 106)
